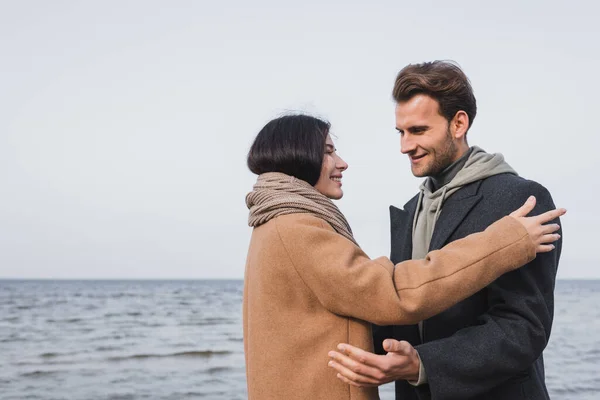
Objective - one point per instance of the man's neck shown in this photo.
(444, 177)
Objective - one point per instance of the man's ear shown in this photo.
(459, 125)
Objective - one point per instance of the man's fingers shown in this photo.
(395, 346)
(353, 376)
(550, 215)
(525, 208)
(356, 367)
(391, 345)
(346, 380)
(349, 382)
(363, 357)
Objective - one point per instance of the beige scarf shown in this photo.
(276, 194)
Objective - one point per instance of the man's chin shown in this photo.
(419, 172)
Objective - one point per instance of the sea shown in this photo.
(105, 339)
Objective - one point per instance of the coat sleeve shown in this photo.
(513, 332)
(348, 283)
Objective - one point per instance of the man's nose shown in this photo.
(406, 144)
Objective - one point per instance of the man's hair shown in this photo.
(293, 145)
(443, 81)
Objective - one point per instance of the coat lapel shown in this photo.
(454, 211)
(401, 222)
(401, 231)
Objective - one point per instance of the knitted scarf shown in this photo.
(276, 194)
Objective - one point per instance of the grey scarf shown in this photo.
(480, 165)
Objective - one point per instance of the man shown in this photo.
(490, 345)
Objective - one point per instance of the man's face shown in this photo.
(425, 136)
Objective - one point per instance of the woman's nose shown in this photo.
(341, 164)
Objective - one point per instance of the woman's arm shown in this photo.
(348, 283)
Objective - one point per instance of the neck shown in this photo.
(444, 177)
(463, 148)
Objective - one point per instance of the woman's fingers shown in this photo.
(550, 228)
(542, 235)
(549, 238)
(525, 208)
(544, 248)
(550, 215)
(529, 205)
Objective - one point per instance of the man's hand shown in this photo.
(363, 369)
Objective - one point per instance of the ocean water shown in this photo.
(93, 340)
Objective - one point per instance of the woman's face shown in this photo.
(330, 181)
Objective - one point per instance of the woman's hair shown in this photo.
(293, 145)
(444, 81)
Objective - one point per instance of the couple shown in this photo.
(456, 316)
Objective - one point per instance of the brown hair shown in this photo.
(444, 81)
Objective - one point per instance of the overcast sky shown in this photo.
(124, 125)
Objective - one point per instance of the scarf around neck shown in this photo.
(276, 194)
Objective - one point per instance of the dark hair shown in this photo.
(444, 81)
(292, 144)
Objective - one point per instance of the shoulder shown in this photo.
(291, 229)
(305, 236)
(298, 226)
(512, 184)
(508, 190)
(299, 219)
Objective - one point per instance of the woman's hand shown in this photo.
(542, 235)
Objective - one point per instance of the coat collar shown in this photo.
(454, 211)
(401, 230)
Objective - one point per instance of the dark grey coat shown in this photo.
(490, 345)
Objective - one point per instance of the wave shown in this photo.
(199, 354)
(124, 295)
(64, 321)
(134, 314)
(50, 355)
(43, 363)
(209, 322)
(218, 370)
(51, 358)
(39, 373)
(12, 339)
(108, 348)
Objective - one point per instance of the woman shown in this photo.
(308, 285)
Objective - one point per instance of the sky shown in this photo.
(125, 125)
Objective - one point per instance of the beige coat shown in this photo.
(307, 288)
